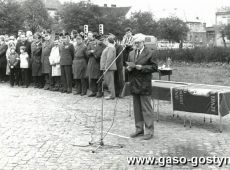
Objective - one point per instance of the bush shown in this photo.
(197, 55)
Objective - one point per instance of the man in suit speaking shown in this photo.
(141, 65)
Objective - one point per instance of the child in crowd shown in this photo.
(24, 66)
(13, 63)
(55, 63)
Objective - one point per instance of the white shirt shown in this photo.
(141, 50)
(24, 60)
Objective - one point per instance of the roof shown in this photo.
(52, 4)
(223, 13)
(116, 11)
(210, 29)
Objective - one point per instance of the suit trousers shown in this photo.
(93, 85)
(118, 81)
(48, 78)
(109, 81)
(14, 76)
(25, 76)
(66, 77)
(143, 113)
(81, 85)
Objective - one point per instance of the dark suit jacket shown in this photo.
(67, 54)
(3, 49)
(140, 80)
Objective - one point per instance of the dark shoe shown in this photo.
(109, 98)
(64, 91)
(76, 93)
(92, 95)
(51, 89)
(46, 88)
(99, 94)
(82, 94)
(56, 89)
(136, 134)
(147, 137)
(69, 91)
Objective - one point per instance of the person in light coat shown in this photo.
(107, 57)
(55, 63)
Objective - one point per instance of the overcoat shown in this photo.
(80, 62)
(92, 68)
(36, 52)
(140, 80)
(3, 49)
(67, 54)
(55, 61)
(107, 57)
(46, 49)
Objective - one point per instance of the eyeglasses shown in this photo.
(137, 42)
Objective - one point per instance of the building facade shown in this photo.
(222, 19)
(197, 33)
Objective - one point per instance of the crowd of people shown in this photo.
(60, 61)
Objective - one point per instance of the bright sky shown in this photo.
(184, 9)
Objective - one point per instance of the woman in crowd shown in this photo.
(55, 63)
(79, 66)
(13, 63)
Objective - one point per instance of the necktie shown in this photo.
(137, 54)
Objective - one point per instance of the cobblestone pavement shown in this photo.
(47, 130)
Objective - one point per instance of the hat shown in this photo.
(79, 36)
(48, 31)
(128, 29)
(64, 34)
(139, 37)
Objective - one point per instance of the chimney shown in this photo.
(105, 5)
(204, 25)
(113, 6)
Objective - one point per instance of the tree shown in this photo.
(227, 31)
(36, 15)
(172, 29)
(143, 22)
(74, 16)
(11, 17)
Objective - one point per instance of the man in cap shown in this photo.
(46, 67)
(66, 61)
(142, 65)
(93, 67)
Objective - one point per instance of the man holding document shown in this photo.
(141, 65)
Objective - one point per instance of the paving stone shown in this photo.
(39, 129)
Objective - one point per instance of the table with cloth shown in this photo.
(191, 98)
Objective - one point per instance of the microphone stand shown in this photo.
(102, 136)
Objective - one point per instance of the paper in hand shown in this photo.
(131, 64)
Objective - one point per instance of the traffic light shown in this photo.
(85, 31)
(101, 29)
